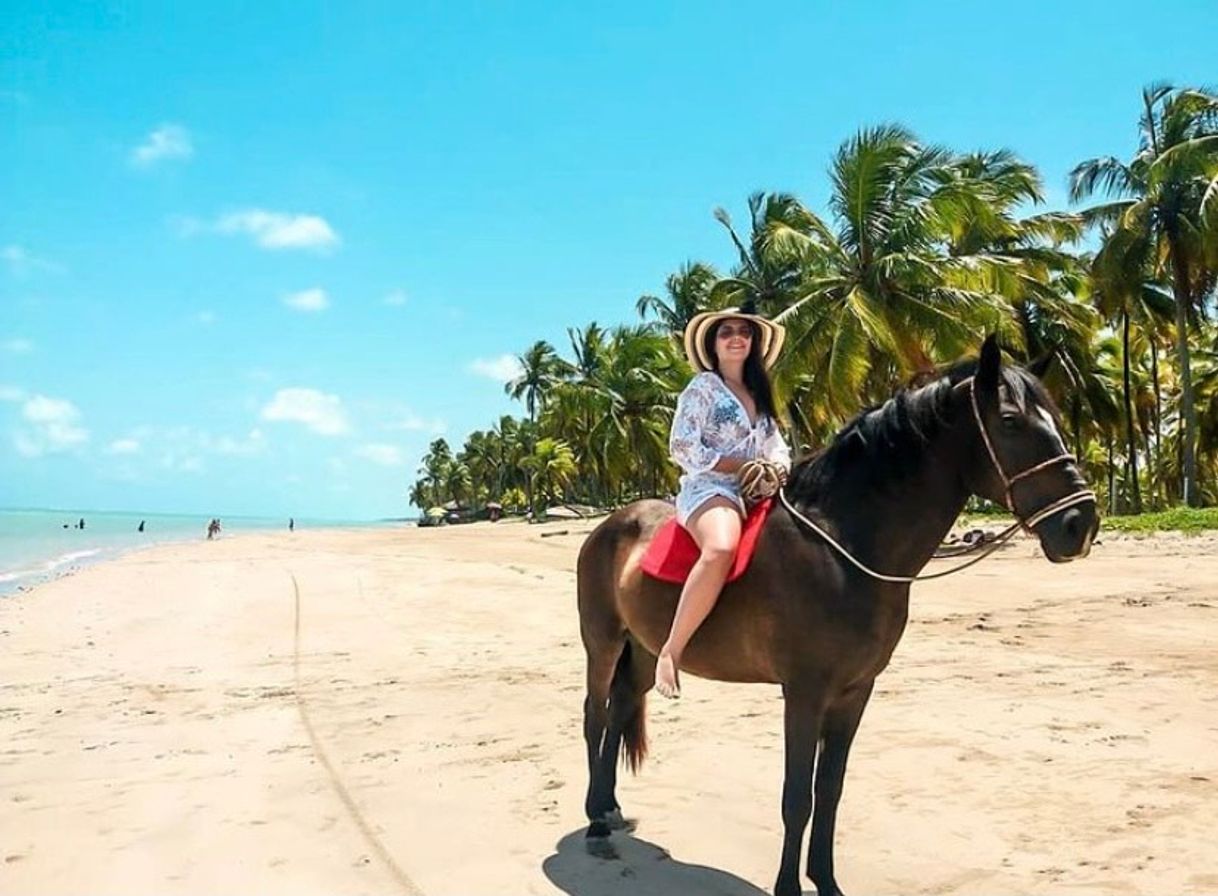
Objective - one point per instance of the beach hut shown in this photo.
(494, 510)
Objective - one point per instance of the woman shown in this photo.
(725, 417)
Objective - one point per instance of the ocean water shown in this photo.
(36, 545)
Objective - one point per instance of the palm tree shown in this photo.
(1160, 195)
(641, 381)
(879, 296)
(1207, 415)
(506, 434)
(481, 457)
(776, 259)
(540, 369)
(552, 465)
(458, 482)
(689, 293)
(435, 469)
(615, 409)
(1127, 297)
(418, 494)
(579, 401)
(1025, 262)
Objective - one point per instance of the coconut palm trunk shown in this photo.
(1157, 497)
(1188, 410)
(1131, 462)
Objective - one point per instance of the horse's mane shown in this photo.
(888, 441)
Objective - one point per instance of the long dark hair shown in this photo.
(755, 377)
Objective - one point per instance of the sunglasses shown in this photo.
(728, 331)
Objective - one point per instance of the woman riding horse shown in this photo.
(725, 418)
(812, 615)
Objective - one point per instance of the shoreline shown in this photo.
(62, 560)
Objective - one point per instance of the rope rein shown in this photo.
(1079, 496)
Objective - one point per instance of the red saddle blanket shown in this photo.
(673, 551)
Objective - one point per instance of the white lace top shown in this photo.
(711, 424)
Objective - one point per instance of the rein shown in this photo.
(1079, 496)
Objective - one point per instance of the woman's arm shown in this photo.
(774, 448)
(685, 442)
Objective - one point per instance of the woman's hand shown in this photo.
(760, 479)
(730, 464)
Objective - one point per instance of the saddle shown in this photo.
(673, 551)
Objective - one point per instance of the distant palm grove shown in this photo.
(924, 251)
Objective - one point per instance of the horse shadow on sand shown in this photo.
(624, 864)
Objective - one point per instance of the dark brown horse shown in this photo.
(888, 488)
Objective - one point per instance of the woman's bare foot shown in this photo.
(667, 684)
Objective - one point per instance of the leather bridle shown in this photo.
(1078, 496)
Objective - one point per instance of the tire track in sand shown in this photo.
(395, 870)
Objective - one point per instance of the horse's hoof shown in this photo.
(829, 889)
(601, 848)
(598, 830)
(617, 822)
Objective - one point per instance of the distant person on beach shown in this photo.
(141, 528)
(725, 419)
(82, 523)
(213, 529)
(291, 524)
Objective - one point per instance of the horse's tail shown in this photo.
(634, 724)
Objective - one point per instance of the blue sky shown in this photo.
(254, 257)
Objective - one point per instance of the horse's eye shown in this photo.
(1011, 421)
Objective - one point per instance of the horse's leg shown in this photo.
(841, 723)
(602, 660)
(801, 721)
(632, 679)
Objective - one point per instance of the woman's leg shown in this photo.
(715, 527)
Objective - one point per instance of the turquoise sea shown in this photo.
(39, 544)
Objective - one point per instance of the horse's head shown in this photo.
(1021, 460)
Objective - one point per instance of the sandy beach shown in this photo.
(399, 711)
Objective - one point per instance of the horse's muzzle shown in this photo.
(1069, 537)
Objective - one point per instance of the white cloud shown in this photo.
(279, 230)
(11, 393)
(308, 300)
(183, 449)
(124, 446)
(501, 369)
(54, 426)
(22, 261)
(253, 443)
(380, 453)
(18, 346)
(179, 461)
(169, 141)
(320, 412)
(414, 423)
(395, 297)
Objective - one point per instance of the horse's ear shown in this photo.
(989, 365)
(1041, 365)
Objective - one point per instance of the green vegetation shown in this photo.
(923, 251)
(1182, 519)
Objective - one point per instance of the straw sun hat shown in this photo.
(772, 335)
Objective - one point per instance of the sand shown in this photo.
(399, 711)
